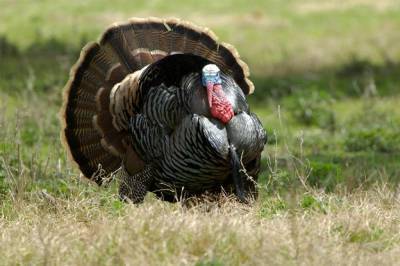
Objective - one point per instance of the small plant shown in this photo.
(212, 262)
(325, 175)
(365, 236)
(281, 180)
(311, 202)
(3, 185)
(30, 133)
(271, 206)
(313, 108)
(7, 48)
(373, 139)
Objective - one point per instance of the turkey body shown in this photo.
(188, 149)
(153, 119)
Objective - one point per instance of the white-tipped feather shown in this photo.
(119, 56)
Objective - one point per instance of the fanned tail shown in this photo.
(101, 93)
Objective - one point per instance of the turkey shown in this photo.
(164, 103)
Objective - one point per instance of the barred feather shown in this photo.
(135, 99)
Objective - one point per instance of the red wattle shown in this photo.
(220, 107)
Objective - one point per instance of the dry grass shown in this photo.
(48, 216)
(357, 229)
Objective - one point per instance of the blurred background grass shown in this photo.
(327, 77)
(326, 73)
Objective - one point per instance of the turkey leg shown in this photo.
(134, 187)
(237, 175)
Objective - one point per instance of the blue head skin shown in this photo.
(210, 74)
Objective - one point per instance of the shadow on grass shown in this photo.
(48, 63)
(330, 171)
(42, 67)
(356, 78)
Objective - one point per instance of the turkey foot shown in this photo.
(133, 188)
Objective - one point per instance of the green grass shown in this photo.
(327, 77)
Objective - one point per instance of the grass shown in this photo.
(327, 89)
(97, 229)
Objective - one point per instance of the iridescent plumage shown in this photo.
(137, 100)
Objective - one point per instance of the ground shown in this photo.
(327, 77)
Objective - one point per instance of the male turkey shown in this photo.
(165, 102)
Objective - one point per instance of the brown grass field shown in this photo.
(327, 77)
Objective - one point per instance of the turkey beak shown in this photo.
(210, 86)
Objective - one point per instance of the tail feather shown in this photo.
(80, 137)
(143, 36)
(94, 115)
